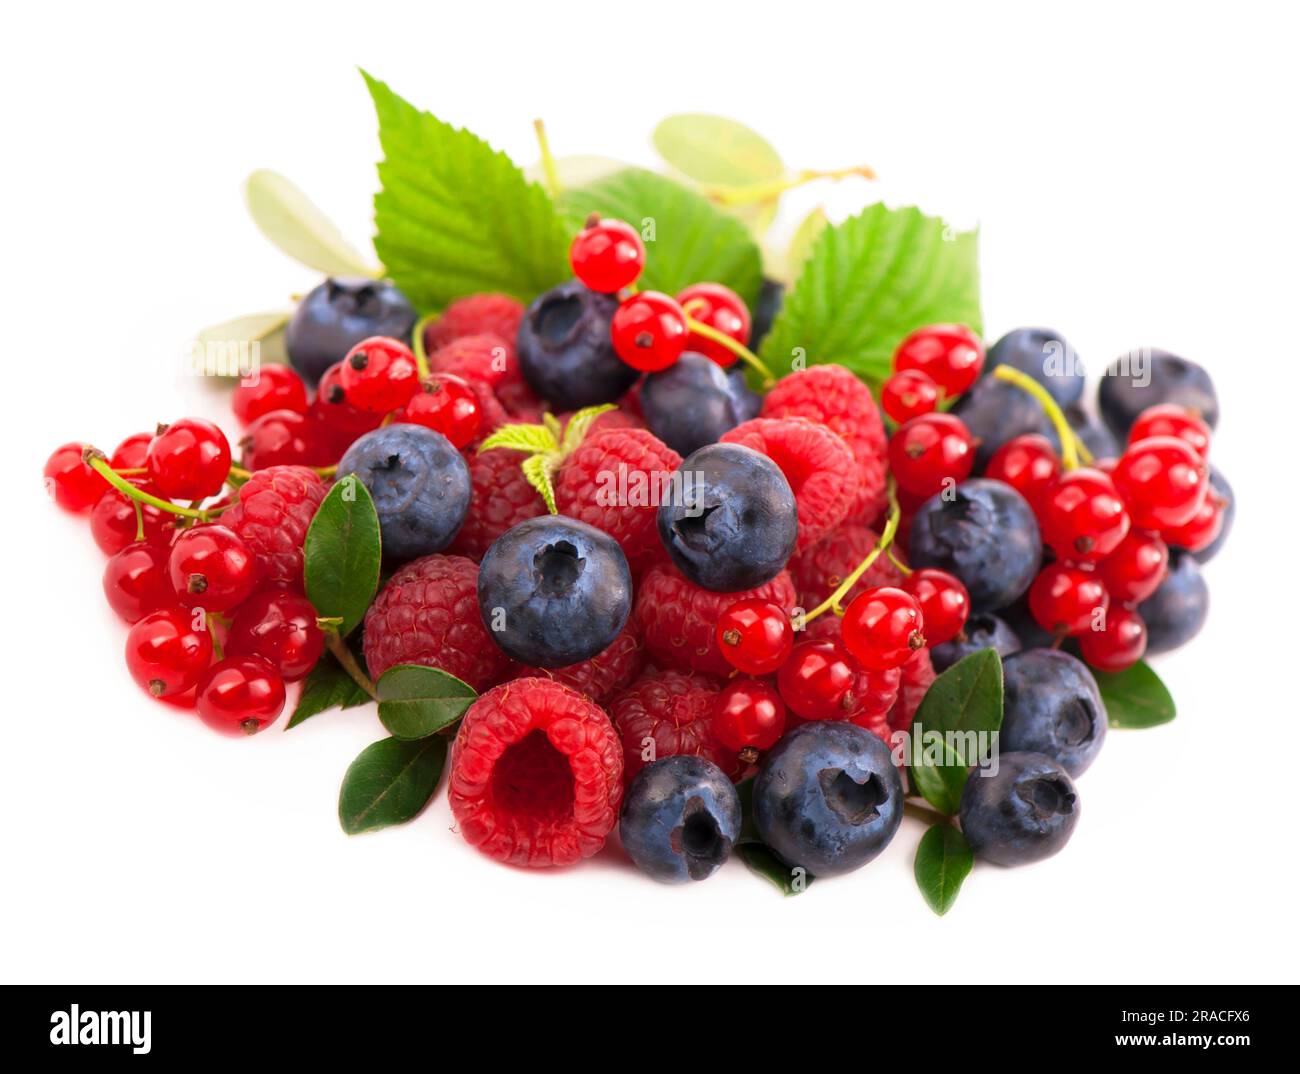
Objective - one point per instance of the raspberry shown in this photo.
(667, 714)
(833, 396)
(819, 570)
(917, 675)
(677, 618)
(499, 315)
(499, 499)
(817, 463)
(536, 774)
(491, 362)
(613, 481)
(625, 417)
(604, 674)
(428, 614)
(274, 509)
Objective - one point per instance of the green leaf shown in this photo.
(534, 439)
(766, 864)
(417, 701)
(390, 782)
(943, 859)
(454, 216)
(287, 217)
(966, 700)
(577, 170)
(716, 151)
(805, 238)
(228, 349)
(326, 686)
(687, 238)
(341, 555)
(1135, 697)
(869, 282)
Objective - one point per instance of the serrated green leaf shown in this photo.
(576, 170)
(327, 686)
(869, 282)
(688, 239)
(454, 216)
(1135, 697)
(943, 860)
(715, 150)
(805, 238)
(534, 439)
(342, 554)
(417, 701)
(580, 424)
(539, 472)
(390, 782)
(761, 860)
(286, 216)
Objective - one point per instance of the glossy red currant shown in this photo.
(286, 438)
(944, 603)
(446, 404)
(240, 695)
(749, 715)
(1029, 464)
(168, 650)
(755, 636)
(883, 627)
(136, 581)
(950, 354)
(342, 422)
(113, 522)
(1067, 600)
(721, 309)
(1120, 643)
(1082, 516)
(280, 628)
(908, 394)
(1135, 569)
(70, 481)
(132, 452)
(275, 387)
(379, 374)
(818, 681)
(1169, 419)
(649, 331)
(931, 452)
(1200, 532)
(607, 255)
(1163, 482)
(188, 460)
(212, 568)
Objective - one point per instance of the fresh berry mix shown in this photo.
(646, 557)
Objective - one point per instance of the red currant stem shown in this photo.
(139, 519)
(338, 647)
(925, 813)
(132, 471)
(99, 464)
(240, 474)
(738, 349)
(906, 570)
(329, 622)
(1072, 448)
(832, 603)
(772, 188)
(548, 161)
(417, 344)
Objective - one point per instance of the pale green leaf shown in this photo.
(286, 216)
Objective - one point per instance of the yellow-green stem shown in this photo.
(832, 603)
(738, 349)
(548, 161)
(771, 188)
(100, 465)
(417, 344)
(339, 648)
(1071, 448)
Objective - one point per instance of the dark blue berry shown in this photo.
(336, 316)
(983, 631)
(748, 402)
(420, 485)
(1021, 620)
(680, 819)
(689, 404)
(728, 518)
(985, 534)
(1095, 436)
(565, 350)
(771, 297)
(995, 411)
(1045, 356)
(554, 591)
(1143, 379)
(1219, 486)
(1176, 611)
(1024, 813)
(1052, 706)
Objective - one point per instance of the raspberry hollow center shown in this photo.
(533, 779)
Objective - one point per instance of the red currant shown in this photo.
(240, 695)
(607, 255)
(722, 310)
(1119, 644)
(649, 331)
(1163, 482)
(131, 453)
(342, 422)
(136, 581)
(1066, 600)
(167, 651)
(188, 460)
(944, 603)
(277, 387)
(1201, 531)
(113, 522)
(1136, 568)
(817, 682)
(1082, 516)
(1169, 419)
(446, 404)
(930, 452)
(70, 481)
(749, 715)
(883, 627)
(379, 374)
(280, 628)
(951, 354)
(286, 438)
(755, 636)
(909, 394)
(1028, 464)
(211, 568)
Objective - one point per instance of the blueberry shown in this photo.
(554, 591)
(1045, 356)
(680, 819)
(689, 404)
(1021, 620)
(995, 411)
(748, 402)
(984, 533)
(565, 350)
(1219, 484)
(1095, 436)
(1176, 611)
(728, 518)
(1141, 379)
(983, 631)
(336, 316)
(1024, 813)
(828, 797)
(1052, 706)
(420, 485)
(771, 297)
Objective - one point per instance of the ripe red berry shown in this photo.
(750, 715)
(1119, 644)
(379, 374)
(280, 628)
(136, 581)
(1163, 482)
(446, 404)
(607, 255)
(212, 568)
(1204, 527)
(240, 695)
(342, 422)
(817, 682)
(755, 636)
(1029, 464)
(286, 438)
(1066, 600)
(277, 387)
(930, 452)
(951, 354)
(70, 481)
(1082, 516)
(167, 651)
(113, 522)
(909, 394)
(1136, 568)
(944, 603)
(1169, 419)
(722, 310)
(649, 331)
(883, 627)
(188, 460)
(131, 453)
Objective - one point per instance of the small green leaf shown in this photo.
(533, 439)
(236, 347)
(539, 472)
(287, 217)
(390, 782)
(326, 686)
(805, 238)
(716, 151)
(341, 555)
(576, 170)
(1135, 697)
(580, 424)
(943, 859)
(761, 860)
(417, 701)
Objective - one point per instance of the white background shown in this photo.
(1133, 170)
